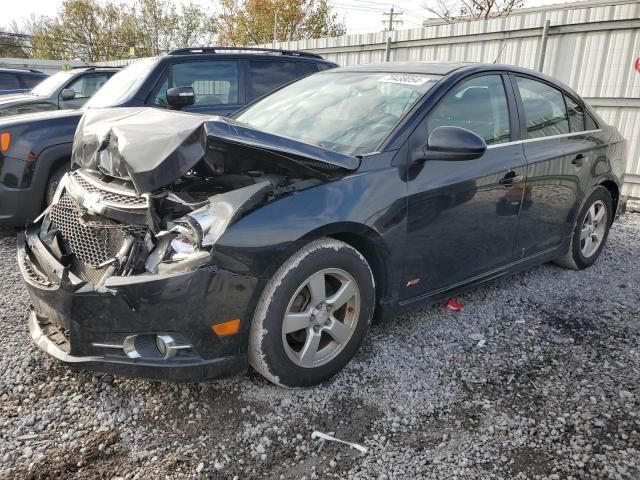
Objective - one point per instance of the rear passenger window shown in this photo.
(306, 69)
(544, 109)
(576, 115)
(87, 85)
(9, 81)
(30, 81)
(213, 82)
(266, 76)
(479, 105)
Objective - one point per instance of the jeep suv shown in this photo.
(35, 150)
(16, 80)
(63, 90)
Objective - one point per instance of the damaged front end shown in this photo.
(121, 266)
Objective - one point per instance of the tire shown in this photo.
(284, 350)
(54, 179)
(578, 256)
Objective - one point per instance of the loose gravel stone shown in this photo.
(538, 376)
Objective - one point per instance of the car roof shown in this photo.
(244, 52)
(23, 71)
(87, 68)
(429, 68)
(445, 68)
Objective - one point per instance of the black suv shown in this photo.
(36, 148)
(16, 80)
(63, 90)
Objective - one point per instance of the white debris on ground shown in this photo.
(538, 376)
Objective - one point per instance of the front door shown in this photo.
(463, 215)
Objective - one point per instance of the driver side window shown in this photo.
(480, 105)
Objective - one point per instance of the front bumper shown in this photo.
(21, 199)
(83, 327)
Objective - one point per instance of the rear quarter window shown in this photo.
(9, 81)
(266, 76)
(576, 115)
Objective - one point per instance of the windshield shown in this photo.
(349, 112)
(123, 85)
(50, 85)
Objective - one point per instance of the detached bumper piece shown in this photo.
(156, 326)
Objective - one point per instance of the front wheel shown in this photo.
(590, 232)
(54, 181)
(313, 314)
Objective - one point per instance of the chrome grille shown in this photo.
(92, 242)
(109, 196)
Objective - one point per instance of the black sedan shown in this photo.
(186, 247)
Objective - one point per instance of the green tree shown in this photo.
(247, 22)
(92, 30)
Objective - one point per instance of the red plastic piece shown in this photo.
(453, 305)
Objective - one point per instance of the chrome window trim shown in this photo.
(530, 140)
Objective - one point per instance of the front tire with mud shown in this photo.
(312, 315)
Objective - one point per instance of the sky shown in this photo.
(359, 16)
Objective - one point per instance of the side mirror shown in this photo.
(68, 94)
(180, 97)
(453, 143)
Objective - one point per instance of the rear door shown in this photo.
(463, 215)
(559, 152)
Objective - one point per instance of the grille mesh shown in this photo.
(110, 197)
(92, 242)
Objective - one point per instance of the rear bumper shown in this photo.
(86, 328)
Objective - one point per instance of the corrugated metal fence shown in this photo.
(592, 47)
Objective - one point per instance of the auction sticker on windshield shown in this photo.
(404, 79)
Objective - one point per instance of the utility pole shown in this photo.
(275, 29)
(392, 18)
(392, 21)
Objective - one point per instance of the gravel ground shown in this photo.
(537, 377)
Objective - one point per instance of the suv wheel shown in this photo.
(313, 314)
(56, 175)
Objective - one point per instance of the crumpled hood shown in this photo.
(153, 147)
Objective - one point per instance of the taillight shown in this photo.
(5, 141)
(626, 146)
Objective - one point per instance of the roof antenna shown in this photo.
(504, 41)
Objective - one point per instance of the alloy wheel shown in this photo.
(593, 228)
(321, 317)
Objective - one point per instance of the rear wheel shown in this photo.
(313, 314)
(590, 232)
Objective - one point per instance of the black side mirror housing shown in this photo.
(180, 97)
(453, 143)
(68, 94)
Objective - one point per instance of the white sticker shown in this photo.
(404, 78)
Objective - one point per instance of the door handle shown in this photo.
(510, 178)
(579, 160)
